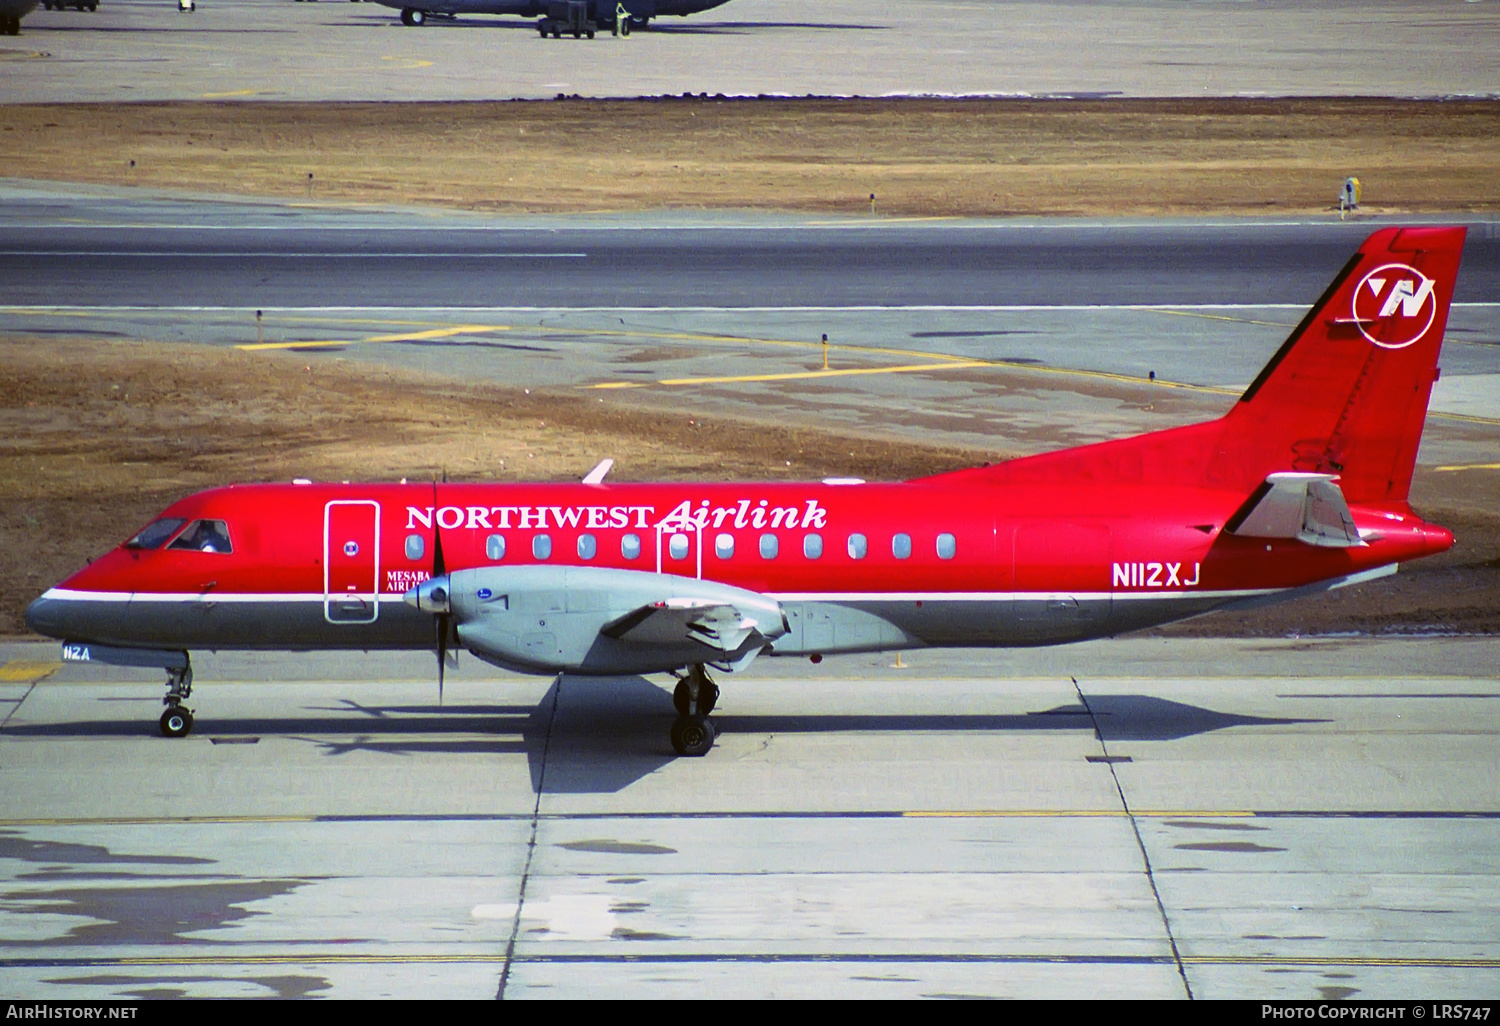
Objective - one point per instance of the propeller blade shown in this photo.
(439, 568)
(442, 650)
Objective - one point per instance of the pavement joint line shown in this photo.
(1135, 828)
(909, 958)
(16, 706)
(853, 814)
(536, 814)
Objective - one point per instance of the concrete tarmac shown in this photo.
(234, 50)
(1294, 819)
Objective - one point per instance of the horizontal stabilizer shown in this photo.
(717, 625)
(1305, 506)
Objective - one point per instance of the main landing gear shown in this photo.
(695, 697)
(177, 721)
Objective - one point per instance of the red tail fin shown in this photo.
(1347, 393)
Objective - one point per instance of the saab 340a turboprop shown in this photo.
(1301, 486)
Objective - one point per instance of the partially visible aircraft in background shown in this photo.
(11, 13)
(602, 12)
(1300, 487)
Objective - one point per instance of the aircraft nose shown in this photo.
(44, 616)
(431, 596)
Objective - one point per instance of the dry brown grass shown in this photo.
(920, 157)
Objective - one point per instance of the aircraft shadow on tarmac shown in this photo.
(601, 735)
(740, 28)
(128, 30)
(715, 28)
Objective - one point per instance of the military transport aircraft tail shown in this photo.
(1344, 398)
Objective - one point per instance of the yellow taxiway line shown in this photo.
(794, 375)
(27, 671)
(406, 336)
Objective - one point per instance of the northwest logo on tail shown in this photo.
(1397, 302)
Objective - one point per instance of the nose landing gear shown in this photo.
(695, 697)
(177, 721)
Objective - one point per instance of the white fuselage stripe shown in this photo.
(65, 594)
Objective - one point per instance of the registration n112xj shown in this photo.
(1301, 486)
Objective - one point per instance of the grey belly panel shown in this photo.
(234, 625)
(871, 625)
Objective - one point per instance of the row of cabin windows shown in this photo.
(678, 546)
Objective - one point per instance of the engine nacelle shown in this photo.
(594, 620)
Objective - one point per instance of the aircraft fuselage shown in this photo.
(854, 567)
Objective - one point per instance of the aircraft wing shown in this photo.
(718, 625)
(1304, 506)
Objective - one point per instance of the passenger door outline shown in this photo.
(348, 570)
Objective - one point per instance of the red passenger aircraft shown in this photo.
(1302, 486)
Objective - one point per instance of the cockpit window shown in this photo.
(204, 536)
(156, 532)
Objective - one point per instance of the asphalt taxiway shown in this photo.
(993, 333)
(1273, 818)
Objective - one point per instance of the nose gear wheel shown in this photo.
(692, 735)
(177, 721)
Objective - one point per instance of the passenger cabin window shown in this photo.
(812, 546)
(724, 546)
(156, 533)
(630, 546)
(901, 546)
(769, 546)
(204, 536)
(857, 546)
(587, 546)
(677, 547)
(416, 546)
(541, 546)
(494, 548)
(947, 546)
